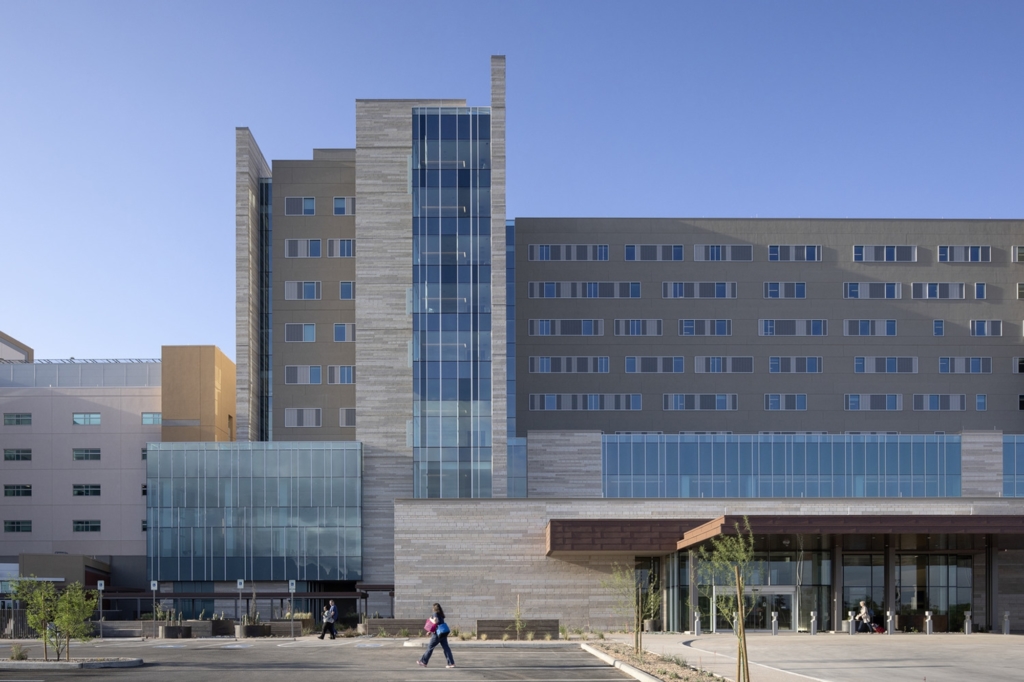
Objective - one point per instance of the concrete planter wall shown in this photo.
(222, 628)
(175, 632)
(245, 631)
(495, 629)
(392, 625)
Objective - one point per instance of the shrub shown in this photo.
(483, 636)
(18, 653)
(404, 632)
(547, 636)
(382, 632)
(529, 636)
(505, 637)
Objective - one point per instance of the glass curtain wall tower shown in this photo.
(451, 223)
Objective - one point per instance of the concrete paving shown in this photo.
(311, 660)
(845, 658)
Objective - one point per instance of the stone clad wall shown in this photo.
(563, 464)
(981, 463)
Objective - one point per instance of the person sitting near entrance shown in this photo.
(864, 618)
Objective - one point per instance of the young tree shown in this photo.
(75, 607)
(727, 561)
(636, 598)
(39, 599)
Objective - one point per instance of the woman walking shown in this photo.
(438, 635)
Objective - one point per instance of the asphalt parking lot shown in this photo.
(312, 660)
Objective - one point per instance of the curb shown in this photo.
(70, 665)
(543, 644)
(635, 673)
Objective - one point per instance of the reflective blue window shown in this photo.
(630, 364)
(688, 327)
(858, 365)
(981, 402)
(339, 205)
(943, 365)
(938, 327)
(979, 289)
(602, 252)
(634, 289)
(858, 253)
(308, 206)
(774, 364)
(602, 365)
(347, 291)
(890, 327)
(801, 288)
(773, 253)
(677, 252)
(630, 252)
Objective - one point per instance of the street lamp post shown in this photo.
(291, 597)
(100, 584)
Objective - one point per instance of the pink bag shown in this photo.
(430, 625)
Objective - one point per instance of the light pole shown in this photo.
(153, 585)
(100, 584)
(291, 598)
(238, 604)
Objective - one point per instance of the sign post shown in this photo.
(100, 584)
(238, 604)
(153, 586)
(291, 599)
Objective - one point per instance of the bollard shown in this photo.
(928, 622)
(888, 622)
(968, 626)
(696, 623)
(814, 622)
(1006, 622)
(775, 622)
(853, 624)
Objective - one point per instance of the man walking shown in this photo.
(330, 615)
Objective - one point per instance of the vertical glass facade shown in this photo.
(834, 465)
(1013, 466)
(451, 228)
(256, 511)
(266, 314)
(517, 475)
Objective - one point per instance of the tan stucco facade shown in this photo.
(198, 397)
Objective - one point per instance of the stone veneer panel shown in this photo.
(475, 556)
(250, 166)
(383, 325)
(499, 370)
(563, 464)
(981, 463)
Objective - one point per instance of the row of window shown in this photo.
(311, 417)
(312, 374)
(77, 490)
(300, 332)
(894, 253)
(311, 291)
(745, 364)
(672, 402)
(307, 206)
(77, 454)
(77, 418)
(795, 290)
(310, 248)
(25, 526)
(795, 327)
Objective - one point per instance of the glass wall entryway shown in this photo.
(759, 605)
(940, 583)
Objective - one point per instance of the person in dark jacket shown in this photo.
(330, 615)
(438, 636)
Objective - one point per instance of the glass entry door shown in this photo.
(759, 603)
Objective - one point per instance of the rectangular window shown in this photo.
(85, 490)
(299, 333)
(794, 252)
(341, 248)
(341, 374)
(301, 248)
(726, 364)
(785, 401)
(85, 526)
(17, 526)
(980, 402)
(344, 332)
(723, 252)
(566, 327)
(965, 254)
(979, 290)
(347, 417)
(347, 291)
(17, 490)
(85, 454)
(86, 418)
(940, 402)
(672, 402)
(145, 526)
(938, 290)
(965, 365)
(17, 419)
(785, 290)
(891, 402)
(885, 365)
(698, 289)
(567, 252)
(550, 402)
(938, 328)
(986, 328)
(568, 364)
(302, 291)
(151, 418)
(144, 489)
(869, 327)
(654, 252)
(705, 327)
(302, 374)
(792, 327)
(885, 254)
(638, 327)
(145, 453)
(344, 205)
(872, 290)
(299, 206)
(304, 417)
(17, 454)
(795, 365)
(583, 289)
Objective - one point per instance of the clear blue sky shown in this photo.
(117, 127)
